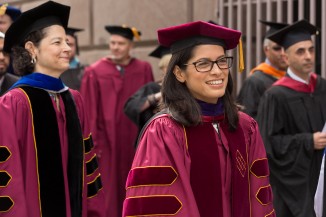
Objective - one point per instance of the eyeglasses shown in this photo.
(277, 48)
(207, 65)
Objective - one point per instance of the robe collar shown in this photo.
(211, 112)
(289, 82)
(269, 70)
(297, 78)
(41, 81)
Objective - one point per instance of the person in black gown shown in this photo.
(291, 116)
(265, 74)
(142, 105)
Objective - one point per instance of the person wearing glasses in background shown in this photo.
(6, 79)
(200, 156)
(265, 74)
(8, 14)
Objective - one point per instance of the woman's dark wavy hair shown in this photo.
(180, 102)
(21, 58)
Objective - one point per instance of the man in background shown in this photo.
(263, 75)
(8, 15)
(291, 116)
(106, 86)
(6, 79)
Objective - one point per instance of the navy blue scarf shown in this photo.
(209, 109)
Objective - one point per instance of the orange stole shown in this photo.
(268, 69)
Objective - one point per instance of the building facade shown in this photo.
(150, 15)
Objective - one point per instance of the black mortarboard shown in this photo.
(44, 15)
(72, 31)
(124, 31)
(160, 51)
(292, 34)
(273, 27)
(12, 12)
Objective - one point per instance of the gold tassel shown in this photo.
(134, 31)
(241, 57)
(136, 34)
(3, 9)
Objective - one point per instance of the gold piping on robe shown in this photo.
(5, 177)
(5, 153)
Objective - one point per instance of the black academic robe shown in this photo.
(72, 77)
(137, 100)
(287, 118)
(8, 81)
(252, 90)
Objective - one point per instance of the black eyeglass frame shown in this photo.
(276, 48)
(228, 58)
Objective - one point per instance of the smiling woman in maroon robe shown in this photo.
(200, 157)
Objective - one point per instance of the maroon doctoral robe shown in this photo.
(22, 185)
(200, 171)
(105, 88)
